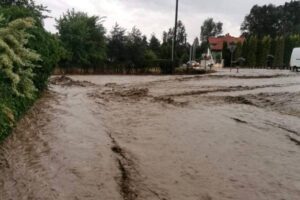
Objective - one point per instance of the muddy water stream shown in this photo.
(220, 136)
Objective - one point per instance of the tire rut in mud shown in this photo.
(239, 120)
(296, 141)
(128, 190)
(129, 175)
(293, 135)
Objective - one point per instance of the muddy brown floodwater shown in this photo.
(209, 137)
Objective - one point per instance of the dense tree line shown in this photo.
(265, 51)
(271, 34)
(87, 46)
(273, 20)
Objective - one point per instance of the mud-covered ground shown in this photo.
(206, 137)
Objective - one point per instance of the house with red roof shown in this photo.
(216, 44)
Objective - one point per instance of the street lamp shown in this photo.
(175, 32)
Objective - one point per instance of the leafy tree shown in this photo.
(168, 36)
(36, 9)
(210, 29)
(181, 43)
(21, 3)
(195, 49)
(290, 23)
(272, 20)
(238, 51)
(184, 58)
(145, 41)
(116, 48)
(166, 47)
(245, 50)
(11, 13)
(261, 21)
(150, 55)
(264, 49)
(154, 45)
(83, 37)
(182, 48)
(136, 47)
(226, 55)
(166, 51)
(251, 51)
(259, 55)
(181, 34)
(51, 52)
(291, 42)
(279, 52)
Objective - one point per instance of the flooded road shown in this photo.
(205, 137)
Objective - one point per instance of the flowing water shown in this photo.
(217, 136)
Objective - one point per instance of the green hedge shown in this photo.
(13, 101)
(12, 107)
(160, 66)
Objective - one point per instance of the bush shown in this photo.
(28, 56)
(17, 91)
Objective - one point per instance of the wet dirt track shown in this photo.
(218, 136)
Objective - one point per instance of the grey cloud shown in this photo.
(158, 15)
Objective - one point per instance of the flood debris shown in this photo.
(237, 100)
(169, 100)
(67, 81)
(127, 93)
(134, 92)
(110, 85)
(283, 102)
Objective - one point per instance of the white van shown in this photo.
(295, 60)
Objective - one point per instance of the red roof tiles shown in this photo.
(216, 43)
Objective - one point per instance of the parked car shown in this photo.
(295, 60)
(193, 63)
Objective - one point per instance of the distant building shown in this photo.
(216, 44)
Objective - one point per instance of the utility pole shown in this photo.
(175, 32)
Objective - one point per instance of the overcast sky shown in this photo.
(154, 16)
